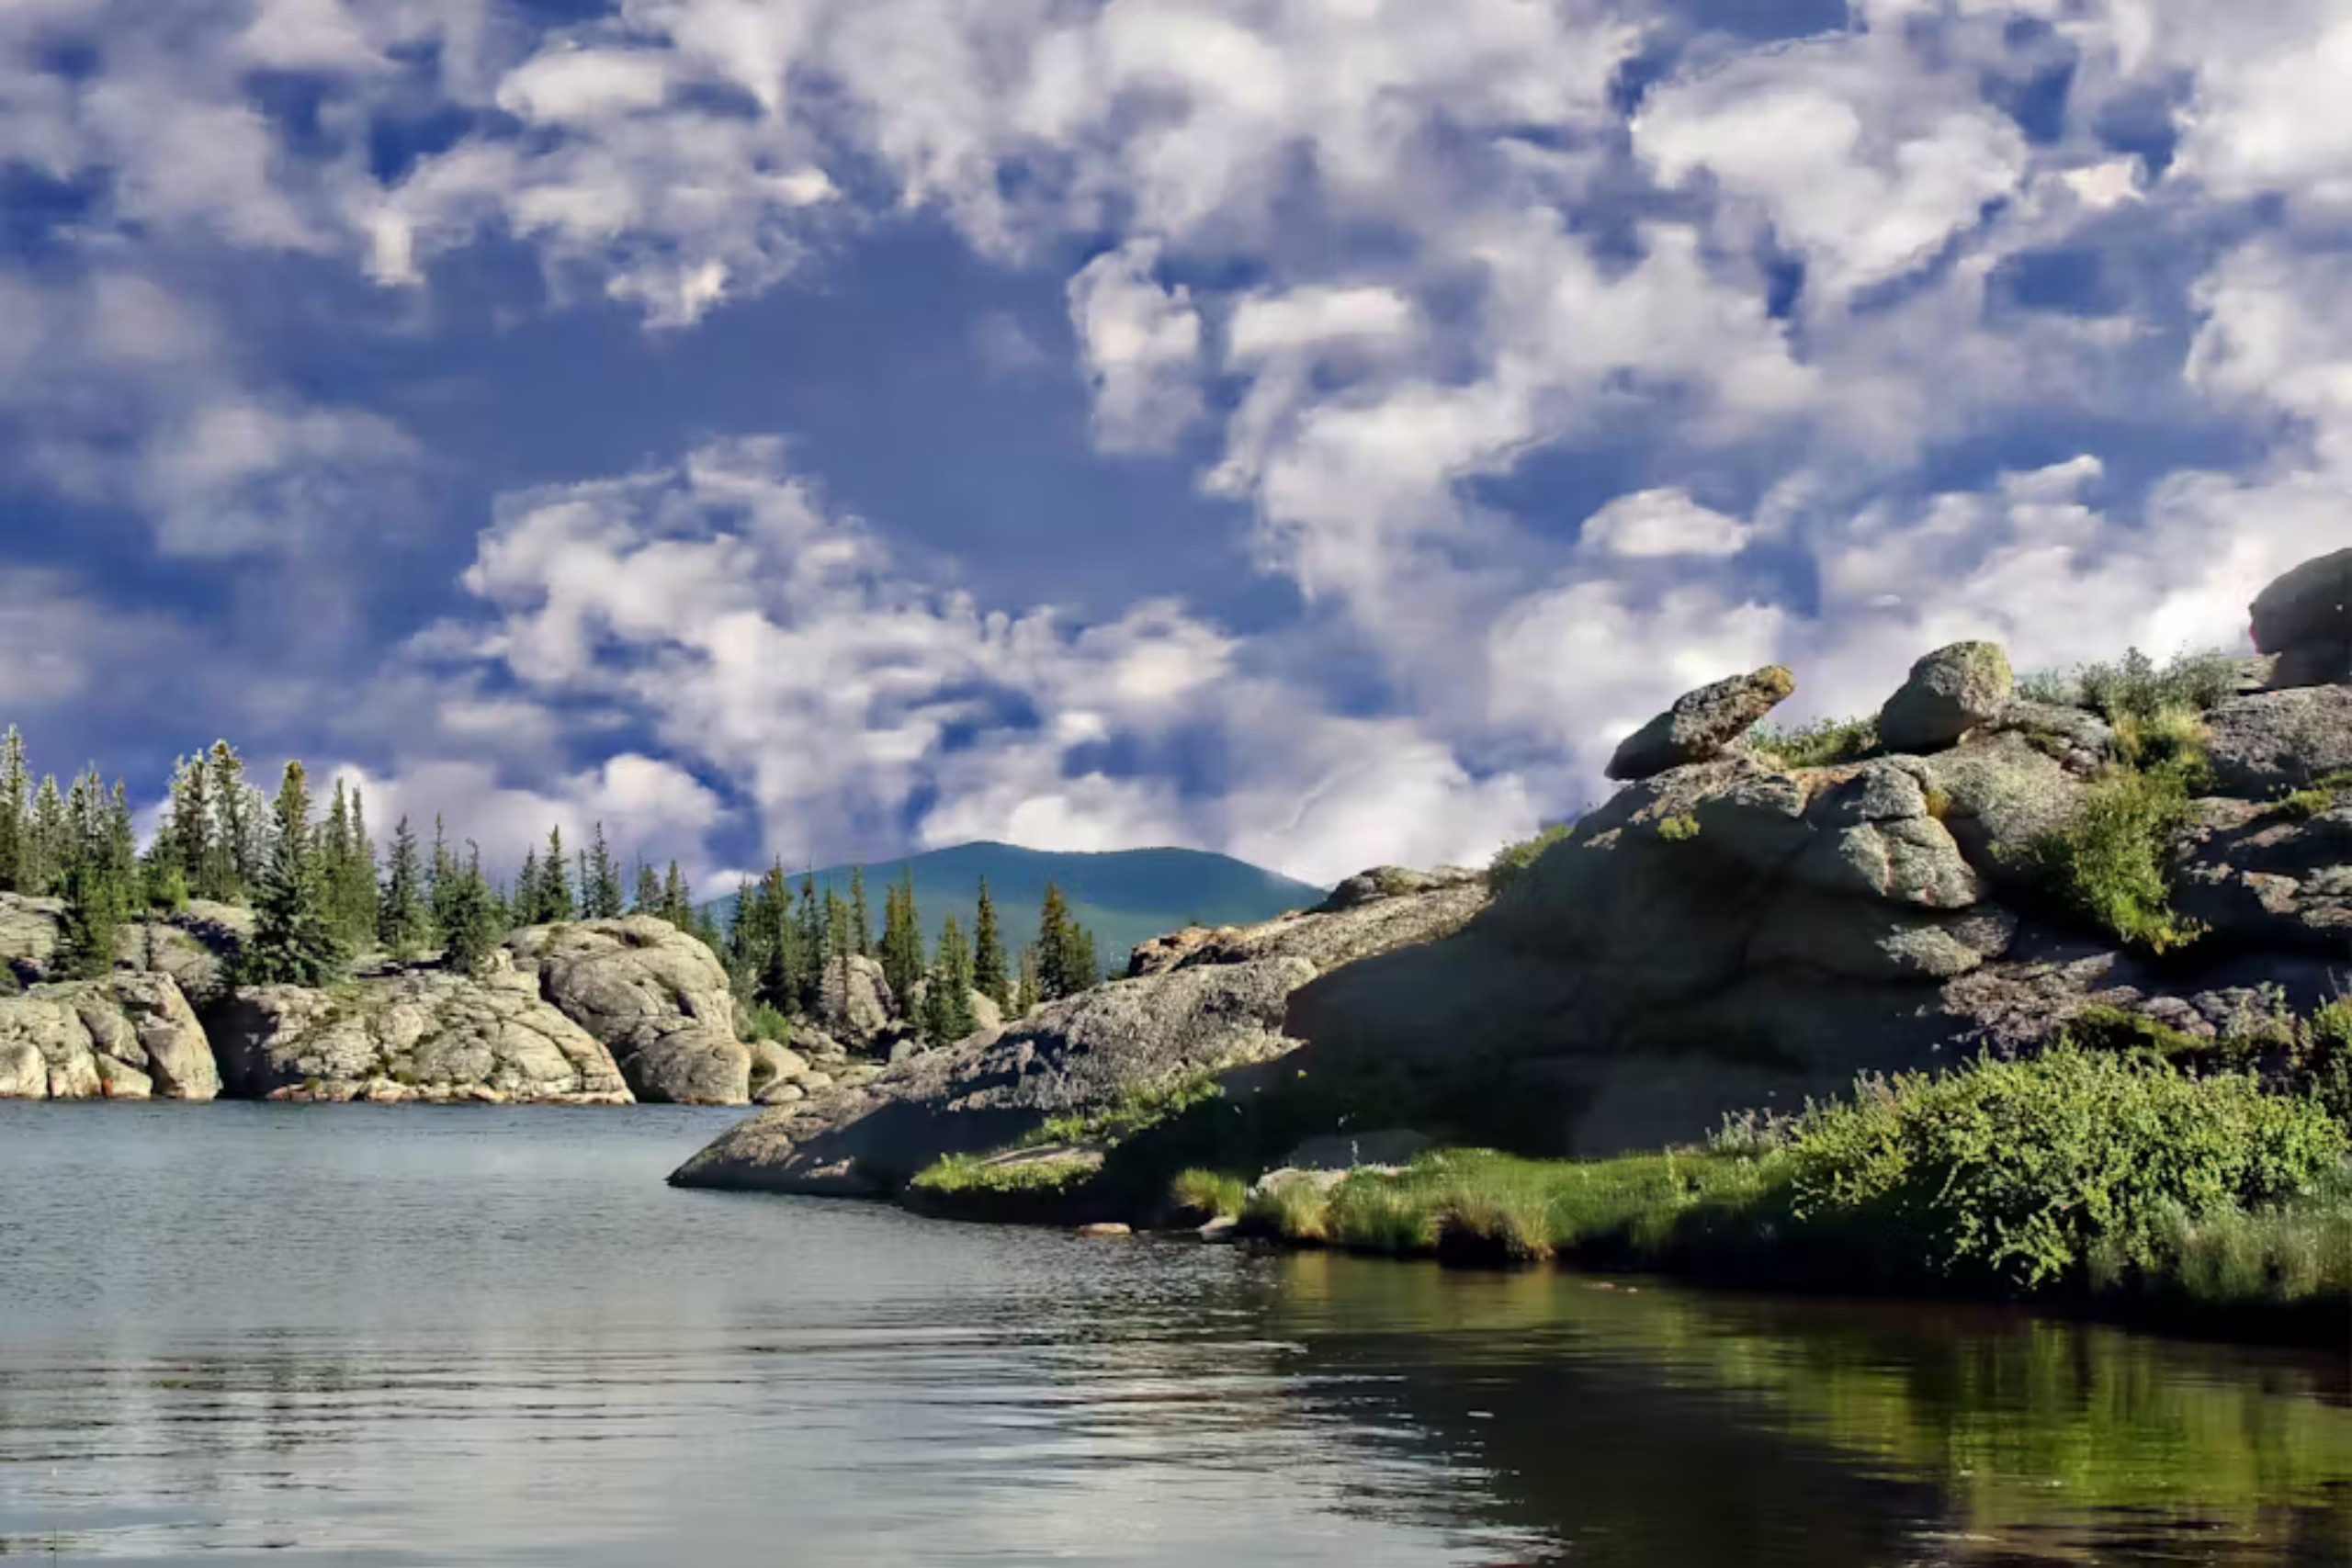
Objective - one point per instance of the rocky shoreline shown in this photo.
(590, 1013)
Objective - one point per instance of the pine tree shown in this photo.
(901, 940)
(1067, 961)
(947, 996)
(184, 836)
(989, 976)
(359, 888)
(232, 856)
(294, 941)
(49, 838)
(526, 887)
(402, 924)
(1025, 995)
(649, 891)
(861, 928)
(677, 900)
(554, 900)
(600, 883)
(16, 793)
(469, 918)
(94, 914)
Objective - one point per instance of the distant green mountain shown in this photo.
(1126, 897)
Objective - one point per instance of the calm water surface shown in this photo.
(408, 1336)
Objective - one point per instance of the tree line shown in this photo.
(320, 893)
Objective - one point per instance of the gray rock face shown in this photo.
(1077, 1055)
(129, 1037)
(2258, 879)
(2000, 791)
(2276, 741)
(423, 1034)
(28, 935)
(855, 1003)
(2305, 619)
(1950, 692)
(1339, 931)
(196, 946)
(657, 997)
(2077, 739)
(1390, 881)
(1702, 725)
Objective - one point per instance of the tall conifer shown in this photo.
(294, 941)
(989, 976)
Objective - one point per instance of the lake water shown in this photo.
(237, 1334)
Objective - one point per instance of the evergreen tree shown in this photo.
(989, 976)
(471, 922)
(677, 900)
(16, 802)
(49, 839)
(94, 914)
(808, 925)
(861, 927)
(901, 940)
(947, 996)
(402, 923)
(600, 883)
(359, 895)
(234, 856)
(526, 887)
(1025, 994)
(553, 899)
(649, 891)
(1067, 961)
(294, 941)
(185, 837)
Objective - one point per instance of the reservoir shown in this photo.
(239, 1333)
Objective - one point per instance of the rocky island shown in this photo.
(1995, 900)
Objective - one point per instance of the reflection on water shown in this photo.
(444, 1336)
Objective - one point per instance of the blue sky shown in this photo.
(1310, 429)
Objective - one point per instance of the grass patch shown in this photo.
(1510, 862)
(1136, 1112)
(1208, 1194)
(760, 1020)
(2324, 796)
(1679, 829)
(963, 1175)
(1824, 743)
(2078, 1172)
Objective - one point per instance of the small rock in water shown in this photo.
(1221, 1231)
(1105, 1231)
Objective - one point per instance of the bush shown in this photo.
(2322, 796)
(2172, 738)
(1679, 829)
(2136, 688)
(1824, 743)
(2019, 1171)
(1511, 861)
(2109, 864)
(761, 1020)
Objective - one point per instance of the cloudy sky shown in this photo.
(1310, 429)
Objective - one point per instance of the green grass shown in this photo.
(1136, 1112)
(1208, 1194)
(1824, 743)
(2077, 1173)
(1510, 862)
(2323, 795)
(962, 1174)
(1679, 829)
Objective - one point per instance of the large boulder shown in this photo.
(2305, 619)
(196, 946)
(1355, 923)
(1997, 794)
(1078, 1055)
(2259, 878)
(1950, 692)
(30, 929)
(129, 1037)
(655, 996)
(2276, 741)
(1702, 725)
(418, 1034)
(855, 1003)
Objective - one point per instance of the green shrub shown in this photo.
(2172, 737)
(761, 1020)
(2136, 688)
(1208, 1193)
(2019, 1170)
(1824, 743)
(2109, 864)
(1511, 861)
(1296, 1209)
(1679, 829)
(2322, 797)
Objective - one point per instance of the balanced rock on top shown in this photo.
(1950, 692)
(2305, 619)
(1702, 725)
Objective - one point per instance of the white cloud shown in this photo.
(1663, 523)
(1142, 345)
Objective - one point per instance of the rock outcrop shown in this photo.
(2305, 619)
(1703, 725)
(1216, 1005)
(197, 947)
(2276, 741)
(1951, 692)
(855, 1003)
(655, 997)
(130, 1036)
(422, 1035)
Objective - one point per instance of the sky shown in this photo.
(1312, 430)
